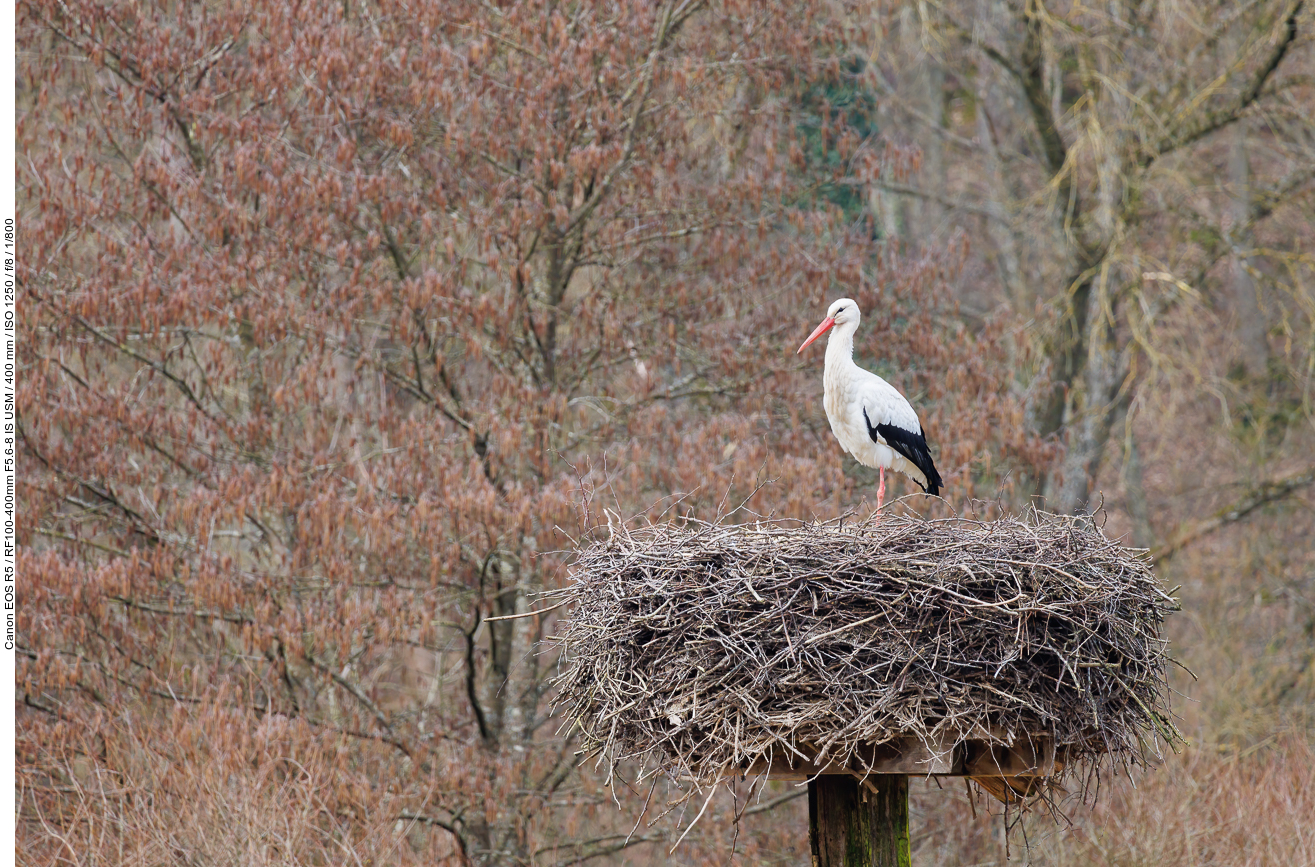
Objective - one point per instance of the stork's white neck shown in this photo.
(840, 346)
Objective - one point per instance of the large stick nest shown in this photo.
(706, 647)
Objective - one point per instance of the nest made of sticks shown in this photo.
(707, 647)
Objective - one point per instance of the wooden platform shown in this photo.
(1007, 772)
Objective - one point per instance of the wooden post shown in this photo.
(849, 825)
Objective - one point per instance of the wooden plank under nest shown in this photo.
(901, 756)
(1008, 772)
(1012, 773)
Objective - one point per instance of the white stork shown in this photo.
(872, 420)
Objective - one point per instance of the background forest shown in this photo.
(340, 320)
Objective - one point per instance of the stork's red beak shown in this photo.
(818, 332)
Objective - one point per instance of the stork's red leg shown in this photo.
(881, 488)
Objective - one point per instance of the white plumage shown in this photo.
(872, 421)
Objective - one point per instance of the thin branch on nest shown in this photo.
(703, 648)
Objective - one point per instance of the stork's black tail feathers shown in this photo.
(933, 478)
(913, 446)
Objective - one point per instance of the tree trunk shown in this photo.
(931, 84)
(1251, 326)
(849, 825)
(1090, 408)
(1143, 534)
(999, 229)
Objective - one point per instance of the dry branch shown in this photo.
(1268, 491)
(700, 649)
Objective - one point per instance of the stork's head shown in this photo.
(843, 312)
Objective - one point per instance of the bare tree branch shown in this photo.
(1217, 120)
(1266, 492)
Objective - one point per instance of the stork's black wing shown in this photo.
(912, 445)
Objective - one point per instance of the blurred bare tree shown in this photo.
(1120, 159)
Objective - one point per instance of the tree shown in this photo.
(1090, 138)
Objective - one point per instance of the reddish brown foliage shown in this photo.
(334, 313)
